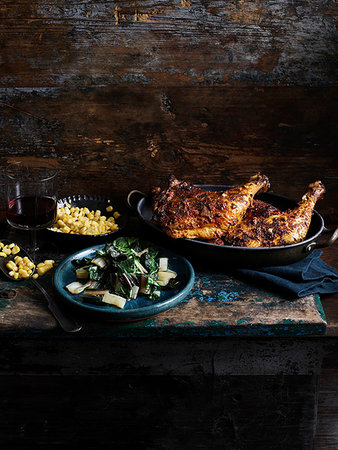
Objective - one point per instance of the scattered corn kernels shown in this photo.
(75, 220)
(9, 249)
(12, 266)
(44, 267)
(22, 267)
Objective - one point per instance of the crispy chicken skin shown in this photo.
(186, 211)
(277, 228)
(254, 213)
(258, 209)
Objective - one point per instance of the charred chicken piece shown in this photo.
(277, 228)
(253, 215)
(186, 211)
(258, 209)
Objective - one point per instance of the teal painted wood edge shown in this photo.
(320, 308)
(147, 331)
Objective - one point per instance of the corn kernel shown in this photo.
(12, 266)
(41, 270)
(23, 273)
(75, 220)
(3, 254)
(49, 261)
(15, 250)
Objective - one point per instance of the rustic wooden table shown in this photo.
(256, 356)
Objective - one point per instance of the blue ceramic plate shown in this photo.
(139, 308)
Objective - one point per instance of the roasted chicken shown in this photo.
(186, 211)
(232, 217)
(269, 228)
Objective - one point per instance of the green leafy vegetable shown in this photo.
(125, 267)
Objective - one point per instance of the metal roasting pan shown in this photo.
(318, 236)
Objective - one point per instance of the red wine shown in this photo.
(31, 212)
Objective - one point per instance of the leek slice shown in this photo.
(113, 299)
(163, 264)
(82, 273)
(100, 262)
(76, 287)
(163, 277)
(134, 292)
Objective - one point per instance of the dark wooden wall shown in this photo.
(120, 94)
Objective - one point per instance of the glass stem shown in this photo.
(33, 243)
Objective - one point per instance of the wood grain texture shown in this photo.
(167, 42)
(330, 302)
(110, 140)
(218, 305)
(184, 412)
(122, 93)
(327, 432)
(219, 413)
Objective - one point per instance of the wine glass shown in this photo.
(30, 197)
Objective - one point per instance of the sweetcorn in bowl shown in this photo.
(87, 218)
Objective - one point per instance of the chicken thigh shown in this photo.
(277, 228)
(186, 211)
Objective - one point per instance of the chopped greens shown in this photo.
(123, 269)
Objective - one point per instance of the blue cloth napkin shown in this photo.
(311, 275)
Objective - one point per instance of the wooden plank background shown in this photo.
(118, 95)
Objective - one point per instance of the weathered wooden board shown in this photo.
(219, 413)
(123, 94)
(218, 305)
(117, 95)
(41, 353)
(167, 42)
(119, 139)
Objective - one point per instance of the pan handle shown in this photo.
(333, 235)
(134, 193)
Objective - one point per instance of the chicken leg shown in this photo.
(278, 228)
(185, 211)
